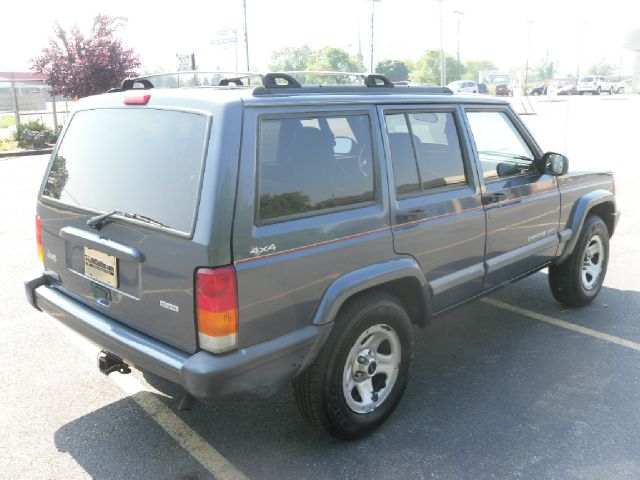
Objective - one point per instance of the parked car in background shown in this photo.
(594, 84)
(568, 90)
(623, 86)
(464, 86)
(504, 90)
(538, 90)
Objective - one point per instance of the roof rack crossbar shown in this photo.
(224, 74)
(376, 80)
(235, 81)
(130, 84)
(270, 80)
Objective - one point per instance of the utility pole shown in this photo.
(246, 34)
(526, 68)
(458, 13)
(443, 64)
(373, 3)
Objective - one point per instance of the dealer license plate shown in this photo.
(101, 266)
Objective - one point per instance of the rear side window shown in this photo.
(313, 164)
(140, 161)
(425, 151)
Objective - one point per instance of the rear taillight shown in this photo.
(39, 238)
(217, 309)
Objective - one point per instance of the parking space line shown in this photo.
(563, 324)
(185, 436)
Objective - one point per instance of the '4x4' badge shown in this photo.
(262, 250)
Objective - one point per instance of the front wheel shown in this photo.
(578, 280)
(360, 374)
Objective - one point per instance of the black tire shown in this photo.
(598, 91)
(566, 280)
(319, 390)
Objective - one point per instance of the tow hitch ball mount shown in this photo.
(108, 362)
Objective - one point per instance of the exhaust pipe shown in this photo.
(108, 362)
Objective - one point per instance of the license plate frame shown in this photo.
(101, 266)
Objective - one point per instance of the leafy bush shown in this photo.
(36, 126)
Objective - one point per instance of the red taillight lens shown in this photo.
(217, 304)
(39, 238)
(136, 99)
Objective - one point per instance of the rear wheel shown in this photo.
(578, 280)
(598, 91)
(361, 372)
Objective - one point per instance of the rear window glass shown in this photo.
(586, 79)
(142, 161)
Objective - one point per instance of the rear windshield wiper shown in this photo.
(99, 220)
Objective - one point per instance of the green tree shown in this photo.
(472, 68)
(544, 71)
(601, 68)
(292, 58)
(335, 60)
(394, 70)
(427, 68)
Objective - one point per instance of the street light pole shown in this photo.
(526, 68)
(246, 34)
(458, 13)
(443, 64)
(373, 3)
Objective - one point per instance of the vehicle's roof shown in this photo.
(208, 98)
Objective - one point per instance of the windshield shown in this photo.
(136, 160)
(586, 79)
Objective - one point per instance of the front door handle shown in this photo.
(490, 198)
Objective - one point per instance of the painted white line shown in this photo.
(146, 398)
(562, 324)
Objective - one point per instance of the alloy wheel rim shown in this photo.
(371, 368)
(592, 263)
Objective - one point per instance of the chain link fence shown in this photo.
(28, 105)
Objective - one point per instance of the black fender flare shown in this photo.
(582, 207)
(365, 278)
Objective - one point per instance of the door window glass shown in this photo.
(502, 150)
(425, 151)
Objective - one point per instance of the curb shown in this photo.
(24, 153)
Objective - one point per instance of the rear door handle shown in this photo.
(490, 198)
(411, 215)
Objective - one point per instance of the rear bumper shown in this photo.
(256, 371)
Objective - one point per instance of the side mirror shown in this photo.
(554, 163)
(343, 145)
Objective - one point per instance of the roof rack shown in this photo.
(285, 83)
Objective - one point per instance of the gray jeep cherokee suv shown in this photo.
(233, 239)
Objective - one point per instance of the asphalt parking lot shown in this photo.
(512, 386)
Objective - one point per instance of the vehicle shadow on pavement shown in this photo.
(492, 394)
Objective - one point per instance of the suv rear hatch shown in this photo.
(136, 265)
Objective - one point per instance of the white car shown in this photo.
(463, 86)
(594, 84)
